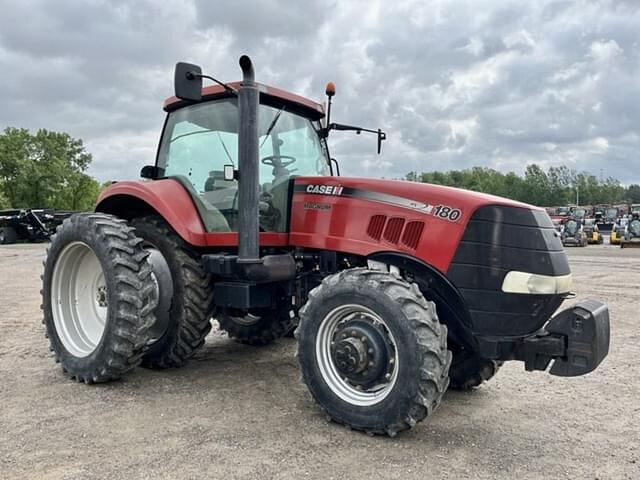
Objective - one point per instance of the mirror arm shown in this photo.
(228, 88)
(338, 126)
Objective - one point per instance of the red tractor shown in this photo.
(399, 290)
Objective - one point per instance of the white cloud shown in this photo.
(497, 83)
(605, 51)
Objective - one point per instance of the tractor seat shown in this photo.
(213, 219)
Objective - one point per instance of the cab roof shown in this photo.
(268, 95)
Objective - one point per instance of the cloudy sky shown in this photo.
(455, 84)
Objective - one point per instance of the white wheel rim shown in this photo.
(79, 300)
(339, 385)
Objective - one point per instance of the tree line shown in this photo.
(554, 187)
(45, 170)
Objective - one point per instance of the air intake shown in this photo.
(393, 230)
(396, 230)
(412, 234)
(376, 225)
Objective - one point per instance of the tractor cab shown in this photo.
(199, 141)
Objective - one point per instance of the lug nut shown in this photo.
(387, 376)
(370, 351)
(364, 339)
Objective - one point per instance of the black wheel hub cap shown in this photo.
(361, 353)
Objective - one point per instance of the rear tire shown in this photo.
(98, 297)
(186, 304)
(372, 351)
(8, 235)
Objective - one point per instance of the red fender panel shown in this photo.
(167, 197)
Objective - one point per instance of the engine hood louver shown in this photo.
(395, 230)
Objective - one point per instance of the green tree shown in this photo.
(556, 186)
(633, 193)
(4, 201)
(45, 169)
(537, 185)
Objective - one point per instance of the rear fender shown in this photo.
(166, 198)
(451, 307)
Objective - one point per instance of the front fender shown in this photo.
(166, 198)
(451, 307)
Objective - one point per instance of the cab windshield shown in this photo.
(199, 140)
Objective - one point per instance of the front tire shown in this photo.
(469, 371)
(186, 295)
(98, 297)
(372, 351)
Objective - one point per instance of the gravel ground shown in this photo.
(240, 412)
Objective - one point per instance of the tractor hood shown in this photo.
(418, 196)
(366, 216)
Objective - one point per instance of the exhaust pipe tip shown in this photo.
(248, 74)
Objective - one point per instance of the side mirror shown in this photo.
(188, 82)
(151, 171)
(229, 173)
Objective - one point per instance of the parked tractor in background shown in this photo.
(402, 289)
(573, 234)
(592, 232)
(610, 215)
(631, 236)
(617, 232)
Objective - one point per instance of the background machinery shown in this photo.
(573, 234)
(631, 234)
(32, 225)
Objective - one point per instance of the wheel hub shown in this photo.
(101, 296)
(361, 353)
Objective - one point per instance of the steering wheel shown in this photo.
(276, 161)
(279, 167)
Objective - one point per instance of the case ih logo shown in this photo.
(325, 189)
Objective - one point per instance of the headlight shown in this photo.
(532, 283)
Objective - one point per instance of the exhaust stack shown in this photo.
(248, 226)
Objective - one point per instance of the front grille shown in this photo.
(496, 241)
